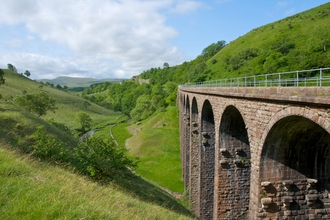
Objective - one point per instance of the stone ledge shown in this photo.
(317, 95)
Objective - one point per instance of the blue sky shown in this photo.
(122, 38)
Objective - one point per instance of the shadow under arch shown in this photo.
(207, 163)
(295, 161)
(234, 166)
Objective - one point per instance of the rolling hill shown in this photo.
(72, 82)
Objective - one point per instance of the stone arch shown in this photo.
(234, 166)
(295, 166)
(207, 163)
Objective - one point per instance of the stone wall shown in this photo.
(248, 183)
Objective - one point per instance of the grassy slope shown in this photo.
(303, 29)
(157, 145)
(68, 105)
(31, 190)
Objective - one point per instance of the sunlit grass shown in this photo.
(157, 145)
(33, 190)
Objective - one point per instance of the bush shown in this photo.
(101, 157)
(46, 147)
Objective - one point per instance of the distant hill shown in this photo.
(77, 81)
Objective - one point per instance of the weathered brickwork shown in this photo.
(256, 153)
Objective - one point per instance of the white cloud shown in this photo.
(107, 37)
(185, 7)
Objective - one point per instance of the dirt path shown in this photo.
(111, 134)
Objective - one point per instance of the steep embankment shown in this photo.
(297, 42)
(33, 190)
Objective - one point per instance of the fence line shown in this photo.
(299, 78)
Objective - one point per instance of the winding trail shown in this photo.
(111, 134)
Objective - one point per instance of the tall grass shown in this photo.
(34, 190)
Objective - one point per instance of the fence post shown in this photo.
(320, 77)
(297, 79)
(279, 79)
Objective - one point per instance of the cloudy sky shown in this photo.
(122, 38)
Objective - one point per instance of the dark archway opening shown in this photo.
(295, 161)
(301, 149)
(235, 167)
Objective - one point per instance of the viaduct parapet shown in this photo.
(256, 153)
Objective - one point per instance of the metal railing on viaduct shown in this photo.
(257, 147)
(300, 78)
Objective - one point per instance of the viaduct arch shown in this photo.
(256, 153)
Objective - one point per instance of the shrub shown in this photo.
(46, 147)
(101, 157)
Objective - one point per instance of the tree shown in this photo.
(38, 103)
(2, 80)
(59, 87)
(166, 65)
(27, 73)
(85, 120)
(212, 49)
(12, 67)
(143, 108)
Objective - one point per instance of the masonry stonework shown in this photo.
(256, 153)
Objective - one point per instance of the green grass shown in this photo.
(156, 142)
(306, 30)
(34, 190)
(121, 133)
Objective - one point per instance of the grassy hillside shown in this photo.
(297, 42)
(39, 190)
(33, 190)
(68, 104)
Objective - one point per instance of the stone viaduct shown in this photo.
(256, 153)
